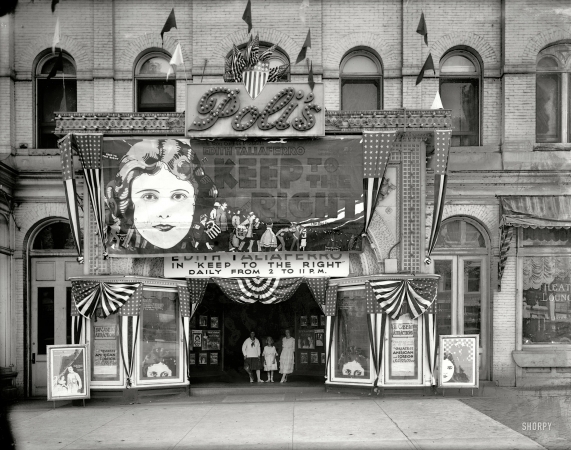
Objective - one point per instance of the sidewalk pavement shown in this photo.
(266, 421)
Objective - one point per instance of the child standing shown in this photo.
(270, 355)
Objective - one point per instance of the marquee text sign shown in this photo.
(168, 195)
(281, 110)
(270, 265)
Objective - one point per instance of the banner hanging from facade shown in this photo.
(180, 196)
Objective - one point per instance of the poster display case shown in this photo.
(68, 372)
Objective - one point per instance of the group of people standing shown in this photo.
(255, 359)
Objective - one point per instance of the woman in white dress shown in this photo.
(287, 355)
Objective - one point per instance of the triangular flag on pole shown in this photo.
(310, 77)
(57, 36)
(306, 45)
(303, 10)
(437, 103)
(54, 3)
(247, 16)
(169, 24)
(58, 66)
(176, 59)
(421, 29)
(428, 65)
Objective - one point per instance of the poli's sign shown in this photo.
(277, 110)
(177, 196)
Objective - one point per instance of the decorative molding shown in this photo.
(423, 121)
(541, 40)
(478, 43)
(385, 50)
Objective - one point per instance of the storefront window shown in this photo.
(403, 346)
(546, 300)
(160, 343)
(105, 349)
(352, 336)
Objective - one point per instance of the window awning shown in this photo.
(536, 211)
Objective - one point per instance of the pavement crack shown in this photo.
(396, 425)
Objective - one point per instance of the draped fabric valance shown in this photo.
(392, 295)
(111, 297)
(264, 290)
(535, 211)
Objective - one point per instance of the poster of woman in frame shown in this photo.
(203, 321)
(303, 321)
(67, 369)
(458, 361)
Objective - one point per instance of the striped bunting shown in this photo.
(128, 333)
(133, 305)
(76, 329)
(265, 290)
(505, 242)
(392, 294)
(441, 152)
(89, 295)
(89, 148)
(431, 341)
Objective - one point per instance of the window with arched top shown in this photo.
(55, 236)
(361, 77)
(552, 94)
(460, 81)
(56, 90)
(153, 93)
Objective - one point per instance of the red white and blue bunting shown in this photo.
(89, 295)
(391, 295)
(264, 290)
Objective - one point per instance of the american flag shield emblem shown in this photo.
(255, 79)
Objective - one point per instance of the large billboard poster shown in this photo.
(174, 196)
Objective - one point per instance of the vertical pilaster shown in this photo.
(103, 56)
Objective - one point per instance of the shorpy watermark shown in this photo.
(536, 426)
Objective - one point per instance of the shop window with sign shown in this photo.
(546, 311)
(58, 93)
(352, 355)
(361, 77)
(404, 355)
(153, 92)
(552, 123)
(460, 80)
(106, 365)
(159, 340)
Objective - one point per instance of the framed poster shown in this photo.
(68, 372)
(319, 337)
(314, 358)
(197, 339)
(214, 322)
(306, 339)
(323, 358)
(192, 359)
(202, 358)
(304, 357)
(458, 361)
(203, 321)
(322, 321)
(314, 322)
(214, 358)
(212, 340)
(303, 321)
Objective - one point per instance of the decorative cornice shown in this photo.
(173, 123)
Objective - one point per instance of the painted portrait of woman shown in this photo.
(160, 190)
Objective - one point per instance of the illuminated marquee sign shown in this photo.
(279, 110)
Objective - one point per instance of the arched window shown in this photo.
(552, 95)
(58, 93)
(460, 75)
(462, 259)
(361, 75)
(153, 92)
(55, 236)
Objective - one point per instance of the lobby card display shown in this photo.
(404, 356)
(68, 372)
(458, 361)
(105, 349)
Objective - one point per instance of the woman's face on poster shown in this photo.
(163, 207)
(447, 370)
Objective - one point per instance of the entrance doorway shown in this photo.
(462, 261)
(51, 266)
(233, 322)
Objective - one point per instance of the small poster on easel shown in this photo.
(458, 361)
(68, 372)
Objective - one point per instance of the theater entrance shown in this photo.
(220, 326)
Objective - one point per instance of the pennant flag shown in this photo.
(310, 80)
(437, 103)
(307, 44)
(303, 8)
(265, 290)
(176, 59)
(331, 300)
(247, 16)
(377, 147)
(421, 29)
(57, 36)
(89, 295)
(65, 146)
(391, 295)
(428, 65)
(169, 25)
(252, 51)
(89, 148)
(57, 67)
(54, 3)
(441, 151)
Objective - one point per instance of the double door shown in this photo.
(462, 302)
(50, 319)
